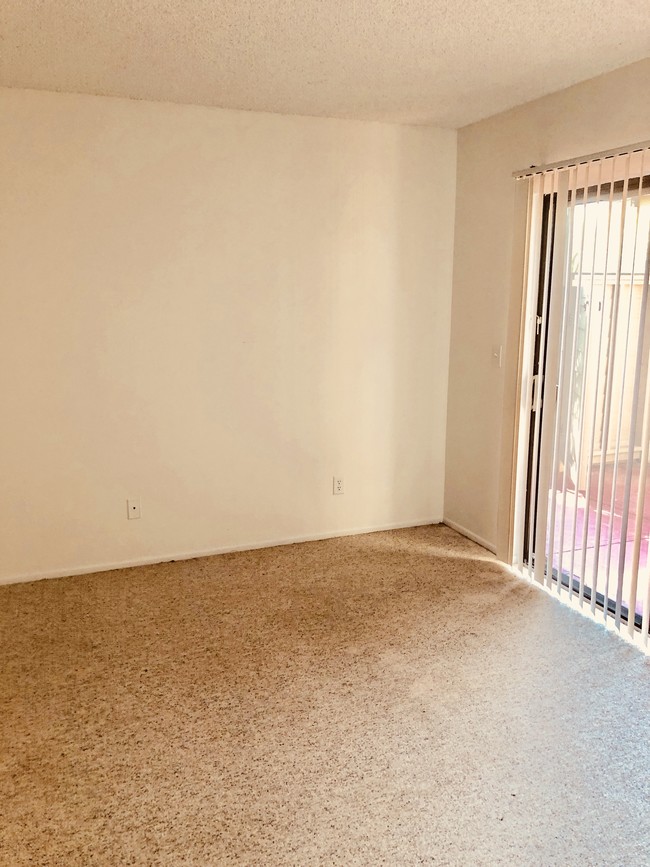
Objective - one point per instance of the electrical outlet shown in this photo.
(133, 509)
(337, 485)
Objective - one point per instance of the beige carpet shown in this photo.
(394, 698)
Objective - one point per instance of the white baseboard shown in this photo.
(468, 533)
(227, 549)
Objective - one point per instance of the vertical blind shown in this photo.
(582, 523)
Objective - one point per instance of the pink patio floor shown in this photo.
(610, 542)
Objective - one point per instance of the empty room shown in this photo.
(325, 433)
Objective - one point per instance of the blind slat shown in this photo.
(610, 357)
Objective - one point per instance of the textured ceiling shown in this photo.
(413, 61)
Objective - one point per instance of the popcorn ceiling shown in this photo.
(434, 61)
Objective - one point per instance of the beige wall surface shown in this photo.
(216, 312)
(599, 114)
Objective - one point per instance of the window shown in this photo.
(582, 512)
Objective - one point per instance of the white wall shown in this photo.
(215, 311)
(602, 113)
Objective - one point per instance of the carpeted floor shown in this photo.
(394, 698)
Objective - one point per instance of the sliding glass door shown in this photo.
(585, 504)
